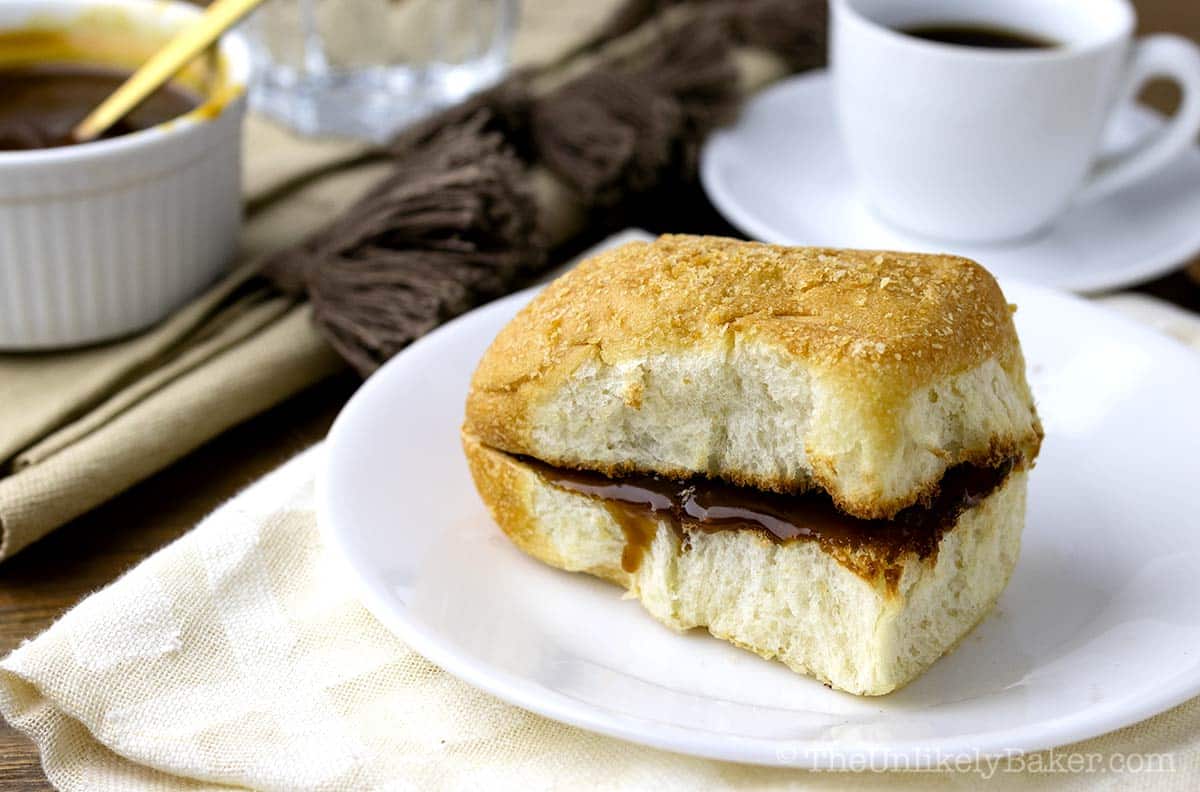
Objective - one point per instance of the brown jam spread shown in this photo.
(636, 502)
(41, 104)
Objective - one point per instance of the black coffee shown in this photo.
(980, 36)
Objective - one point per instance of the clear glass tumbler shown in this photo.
(366, 68)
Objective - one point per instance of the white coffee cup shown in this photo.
(971, 143)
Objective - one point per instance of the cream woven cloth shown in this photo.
(238, 657)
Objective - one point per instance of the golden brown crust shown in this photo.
(880, 323)
(910, 317)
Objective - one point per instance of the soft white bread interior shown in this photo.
(866, 374)
(790, 601)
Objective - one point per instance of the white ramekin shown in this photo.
(102, 239)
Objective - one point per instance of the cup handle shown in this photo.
(1162, 55)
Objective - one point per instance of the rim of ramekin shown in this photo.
(233, 50)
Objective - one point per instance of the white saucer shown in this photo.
(780, 175)
(1099, 628)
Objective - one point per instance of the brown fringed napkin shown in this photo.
(481, 193)
(462, 209)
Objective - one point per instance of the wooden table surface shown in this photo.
(43, 581)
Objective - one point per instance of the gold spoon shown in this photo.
(163, 65)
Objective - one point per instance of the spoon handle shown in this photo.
(163, 65)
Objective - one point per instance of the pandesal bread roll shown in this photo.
(863, 374)
(818, 455)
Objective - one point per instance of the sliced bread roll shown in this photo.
(819, 455)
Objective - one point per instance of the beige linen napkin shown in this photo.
(77, 427)
(237, 656)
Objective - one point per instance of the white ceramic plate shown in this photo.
(1099, 628)
(780, 175)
